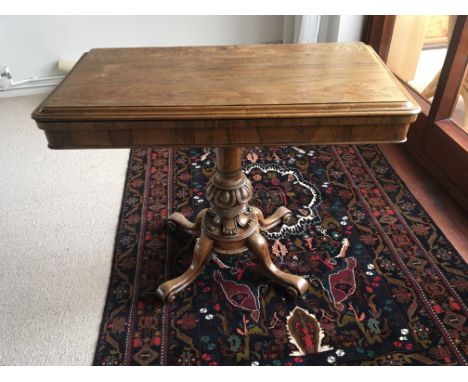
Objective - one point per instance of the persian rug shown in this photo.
(386, 286)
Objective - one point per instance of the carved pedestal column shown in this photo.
(229, 221)
(230, 226)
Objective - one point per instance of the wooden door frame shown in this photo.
(434, 133)
(377, 32)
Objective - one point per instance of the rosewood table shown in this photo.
(227, 97)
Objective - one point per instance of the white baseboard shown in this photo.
(12, 92)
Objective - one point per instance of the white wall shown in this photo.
(350, 28)
(344, 28)
(32, 45)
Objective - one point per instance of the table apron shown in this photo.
(89, 137)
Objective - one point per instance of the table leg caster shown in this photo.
(289, 219)
(293, 292)
(171, 225)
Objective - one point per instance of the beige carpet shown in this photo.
(58, 216)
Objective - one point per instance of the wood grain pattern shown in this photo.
(97, 135)
(227, 95)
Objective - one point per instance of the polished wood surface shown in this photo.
(227, 95)
(218, 133)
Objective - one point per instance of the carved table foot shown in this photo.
(168, 290)
(281, 215)
(179, 220)
(295, 285)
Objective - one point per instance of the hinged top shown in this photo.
(228, 82)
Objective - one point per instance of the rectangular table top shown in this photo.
(227, 95)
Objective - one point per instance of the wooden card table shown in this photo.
(227, 97)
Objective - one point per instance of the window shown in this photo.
(429, 55)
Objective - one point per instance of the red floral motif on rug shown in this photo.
(386, 287)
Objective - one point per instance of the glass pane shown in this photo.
(460, 112)
(418, 49)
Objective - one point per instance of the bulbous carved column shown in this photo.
(229, 220)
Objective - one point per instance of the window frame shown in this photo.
(434, 140)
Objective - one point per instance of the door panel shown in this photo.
(438, 139)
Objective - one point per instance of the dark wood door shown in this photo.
(438, 139)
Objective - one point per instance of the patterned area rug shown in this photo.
(386, 287)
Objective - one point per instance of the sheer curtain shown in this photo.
(306, 29)
(322, 28)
